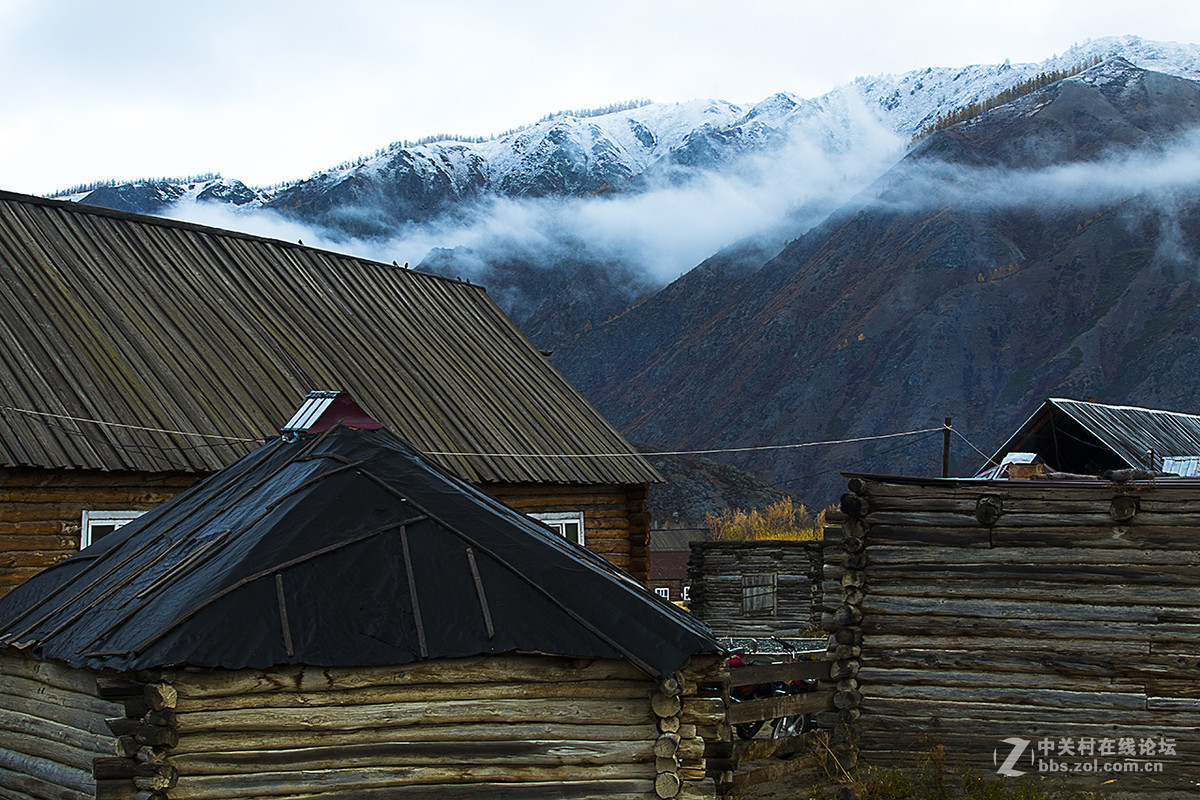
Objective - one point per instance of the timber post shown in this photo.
(844, 625)
(145, 733)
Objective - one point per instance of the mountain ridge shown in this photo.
(888, 316)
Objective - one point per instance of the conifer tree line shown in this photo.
(109, 183)
(1039, 81)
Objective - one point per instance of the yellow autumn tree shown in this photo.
(783, 519)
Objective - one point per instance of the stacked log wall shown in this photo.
(52, 730)
(616, 519)
(41, 511)
(1055, 613)
(715, 573)
(493, 727)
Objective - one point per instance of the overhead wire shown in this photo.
(709, 451)
(31, 412)
(631, 454)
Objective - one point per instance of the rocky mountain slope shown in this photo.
(1047, 247)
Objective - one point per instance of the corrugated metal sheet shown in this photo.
(1183, 466)
(1131, 433)
(165, 326)
(1135, 433)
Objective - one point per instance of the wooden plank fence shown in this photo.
(737, 763)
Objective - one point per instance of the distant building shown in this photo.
(669, 553)
(1083, 438)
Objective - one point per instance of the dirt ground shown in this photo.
(793, 787)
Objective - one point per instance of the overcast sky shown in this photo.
(271, 91)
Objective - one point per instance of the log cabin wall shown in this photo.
(52, 730)
(1061, 614)
(41, 509)
(616, 517)
(496, 726)
(757, 589)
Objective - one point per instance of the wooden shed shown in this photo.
(1053, 622)
(757, 588)
(138, 354)
(333, 616)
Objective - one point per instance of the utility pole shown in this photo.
(946, 449)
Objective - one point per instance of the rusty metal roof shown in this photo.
(1081, 437)
(141, 343)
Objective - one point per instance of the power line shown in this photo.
(973, 447)
(708, 451)
(33, 413)
(860, 460)
(758, 448)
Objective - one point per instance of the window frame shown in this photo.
(558, 520)
(92, 519)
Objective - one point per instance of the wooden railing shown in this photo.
(737, 762)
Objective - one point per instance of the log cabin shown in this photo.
(757, 588)
(336, 616)
(140, 354)
(967, 614)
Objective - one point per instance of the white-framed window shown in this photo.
(687, 593)
(98, 524)
(567, 524)
(664, 592)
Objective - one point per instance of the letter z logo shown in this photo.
(1018, 748)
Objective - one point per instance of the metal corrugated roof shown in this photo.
(1128, 432)
(166, 325)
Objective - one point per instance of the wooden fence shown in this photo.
(737, 763)
(1057, 621)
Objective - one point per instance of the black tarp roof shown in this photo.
(345, 549)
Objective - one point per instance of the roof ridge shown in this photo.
(78, 207)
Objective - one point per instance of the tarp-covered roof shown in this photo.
(117, 329)
(1080, 437)
(345, 549)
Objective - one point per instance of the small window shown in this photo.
(567, 524)
(98, 524)
(758, 594)
(687, 594)
(664, 592)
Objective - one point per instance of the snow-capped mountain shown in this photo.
(626, 151)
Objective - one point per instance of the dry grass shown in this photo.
(780, 520)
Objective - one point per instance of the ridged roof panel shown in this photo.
(159, 324)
